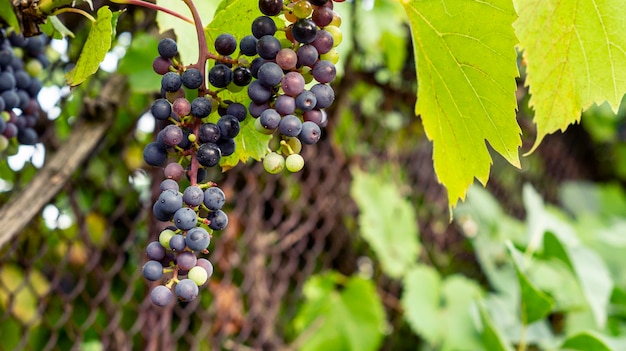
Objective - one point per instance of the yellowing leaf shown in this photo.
(466, 69)
(575, 53)
(97, 45)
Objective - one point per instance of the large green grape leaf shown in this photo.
(95, 49)
(234, 17)
(575, 53)
(466, 68)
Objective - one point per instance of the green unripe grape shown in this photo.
(259, 127)
(307, 74)
(33, 67)
(294, 144)
(198, 275)
(302, 9)
(274, 163)
(4, 143)
(192, 138)
(336, 20)
(294, 163)
(332, 56)
(165, 236)
(335, 32)
(5, 115)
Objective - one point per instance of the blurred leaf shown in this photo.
(186, 36)
(141, 77)
(96, 228)
(60, 28)
(439, 311)
(97, 45)
(575, 49)
(466, 68)
(20, 292)
(591, 340)
(535, 304)
(8, 15)
(586, 197)
(350, 318)
(492, 337)
(591, 272)
(386, 221)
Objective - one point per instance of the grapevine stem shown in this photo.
(75, 10)
(152, 6)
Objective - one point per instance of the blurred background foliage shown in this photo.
(355, 253)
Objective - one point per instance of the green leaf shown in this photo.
(141, 76)
(386, 221)
(589, 269)
(535, 303)
(351, 318)
(466, 68)
(59, 27)
(441, 311)
(186, 36)
(8, 15)
(97, 45)
(493, 340)
(250, 144)
(575, 56)
(591, 340)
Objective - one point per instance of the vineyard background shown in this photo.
(81, 287)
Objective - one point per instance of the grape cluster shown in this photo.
(287, 74)
(21, 60)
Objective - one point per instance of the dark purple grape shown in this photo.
(186, 260)
(174, 171)
(304, 30)
(270, 74)
(27, 136)
(322, 16)
(34, 88)
(22, 80)
(262, 26)
(290, 126)
(208, 154)
(171, 82)
(177, 243)
(310, 133)
(238, 110)
(306, 101)
(225, 44)
(307, 55)
(186, 290)
(172, 135)
(155, 251)
(193, 196)
(185, 144)
(258, 92)
(323, 41)
(270, 119)
(201, 107)
(170, 201)
(169, 184)
(293, 83)
(161, 65)
(256, 109)
(324, 94)
(11, 99)
(161, 296)
(285, 105)
(167, 48)
(154, 154)
(192, 78)
(209, 133)
(271, 7)
(185, 218)
(152, 270)
(324, 71)
(242, 76)
(247, 45)
(220, 75)
(218, 220)
(7, 81)
(267, 47)
(226, 146)
(197, 239)
(229, 126)
(255, 65)
(160, 214)
(10, 131)
(318, 2)
(214, 198)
